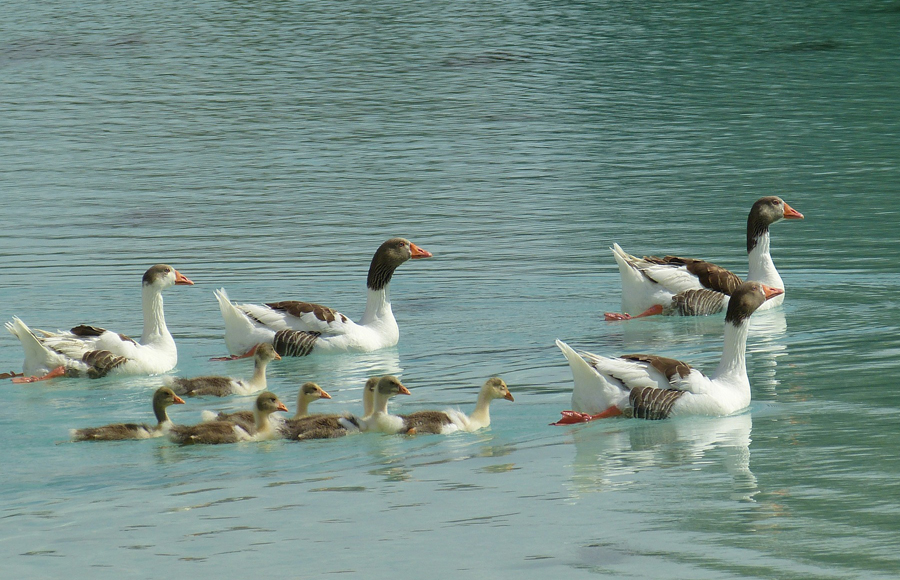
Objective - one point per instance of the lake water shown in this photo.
(270, 147)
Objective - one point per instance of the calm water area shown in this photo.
(270, 147)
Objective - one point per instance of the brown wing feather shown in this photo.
(710, 275)
(298, 309)
(426, 421)
(114, 432)
(652, 403)
(101, 362)
(667, 366)
(315, 427)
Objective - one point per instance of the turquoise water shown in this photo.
(270, 147)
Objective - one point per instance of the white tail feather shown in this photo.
(592, 393)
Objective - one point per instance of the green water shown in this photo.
(270, 147)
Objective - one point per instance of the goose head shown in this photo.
(389, 256)
(162, 276)
(746, 299)
(495, 388)
(389, 386)
(264, 353)
(765, 212)
(163, 398)
(310, 392)
(268, 402)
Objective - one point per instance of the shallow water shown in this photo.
(269, 148)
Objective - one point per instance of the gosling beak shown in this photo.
(508, 396)
(324, 395)
(178, 400)
(404, 390)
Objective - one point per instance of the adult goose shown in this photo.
(218, 432)
(300, 328)
(380, 420)
(690, 287)
(163, 398)
(215, 386)
(654, 387)
(93, 351)
(445, 422)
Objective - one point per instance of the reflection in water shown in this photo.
(765, 345)
(610, 456)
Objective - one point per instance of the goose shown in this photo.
(689, 287)
(94, 351)
(217, 432)
(263, 354)
(446, 422)
(305, 426)
(301, 328)
(163, 397)
(654, 387)
(380, 420)
(308, 393)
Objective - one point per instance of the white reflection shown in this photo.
(609, 454)
(765, 345)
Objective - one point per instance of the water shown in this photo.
(268, 148)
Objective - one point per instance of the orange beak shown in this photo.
(178, 400)
(508, 396)
(791, 214)
(404, 390)
(771, 292)
(277, 356)
(182, 279)
(324, 395)
(417, 252)
(281, 407)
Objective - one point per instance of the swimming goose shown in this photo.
(689, 287)
(308, 393)
(163, 397)
(300, 328)
(263, 354)
(306, 426)
(445, 422)
(380, 420)
(95, 351)
(216, 432)
(654, 387)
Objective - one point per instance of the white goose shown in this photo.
(654, 387)
(689, 287)
(452, 420)
(300, 328)
(95, 351)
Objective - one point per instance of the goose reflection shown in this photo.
(765, 345)
(608, 455)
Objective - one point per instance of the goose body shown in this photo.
(221, 432)
(690, 287)
(223, 386)
(318, 426)
(162, 399)
(301, 328)
(450, 421)
(95, 352)
(654, 387)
